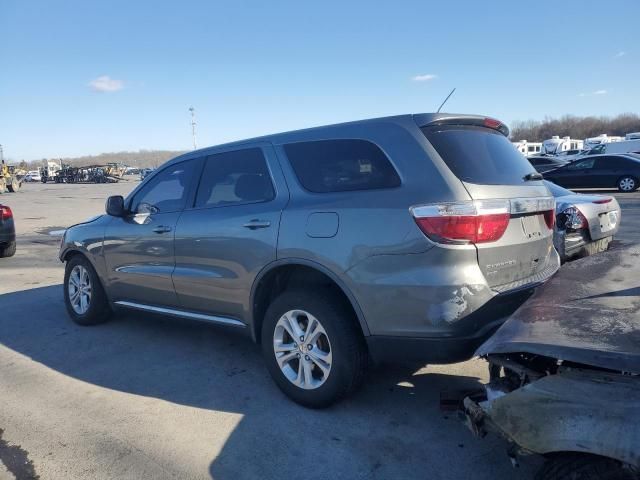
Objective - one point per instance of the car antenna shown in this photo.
(445, 100)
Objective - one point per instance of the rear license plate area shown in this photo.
(531, 226)
(608, 221)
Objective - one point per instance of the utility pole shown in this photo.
(193, 126)
(1, 154)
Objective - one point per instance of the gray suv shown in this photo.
(406, 238)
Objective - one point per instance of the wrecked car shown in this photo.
(585, 224)
(565, 372)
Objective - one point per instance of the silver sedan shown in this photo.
(585, 224)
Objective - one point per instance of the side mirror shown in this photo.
(115, 206)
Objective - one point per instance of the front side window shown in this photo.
(234, 178)
(167, 191)
(325, 166)
(582, 164)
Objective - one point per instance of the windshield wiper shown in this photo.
(532, 176)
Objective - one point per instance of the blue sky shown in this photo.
(79, 77)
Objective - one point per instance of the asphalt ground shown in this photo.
(144, 397)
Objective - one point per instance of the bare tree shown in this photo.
(574, 127)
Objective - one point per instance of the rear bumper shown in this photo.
(448, 348)
(6, 238)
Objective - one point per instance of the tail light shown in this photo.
(550, 218)
(602, 200)
(5, 213)
(573, 219)
(478, 221)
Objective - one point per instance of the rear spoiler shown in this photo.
(473, 120)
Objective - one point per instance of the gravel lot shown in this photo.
(145, 397)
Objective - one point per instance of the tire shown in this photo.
(8, 251)
(14, 185)
(341, 337)
(577, 466)
(627, 183)
(97, 307)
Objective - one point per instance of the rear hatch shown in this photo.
(514, 210)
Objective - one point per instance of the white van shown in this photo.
(625, 146)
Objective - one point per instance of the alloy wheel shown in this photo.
(302, 349)
(79, 289)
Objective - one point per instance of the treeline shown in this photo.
(574, 127)
(139, 159)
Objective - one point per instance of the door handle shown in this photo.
(162, 229)
(255, 224)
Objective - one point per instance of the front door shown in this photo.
(231, 233)
(139, 248)
(578, 174)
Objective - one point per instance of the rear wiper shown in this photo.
(532, 176)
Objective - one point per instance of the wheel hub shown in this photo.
(302, 349)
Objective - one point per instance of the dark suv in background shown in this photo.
(403, 238)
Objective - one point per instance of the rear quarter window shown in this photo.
(325, 166)
(478, 155)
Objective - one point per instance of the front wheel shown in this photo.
(84, 296)
(313, 347)
(627, 184)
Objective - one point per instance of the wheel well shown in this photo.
(70, 254)
(280, 279)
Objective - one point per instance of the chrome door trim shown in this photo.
(181, 313)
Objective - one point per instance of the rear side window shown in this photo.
(478, 155)
(582, 165)
(341, 165)
(234, 178)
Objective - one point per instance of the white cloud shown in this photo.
(424, 78)
(597, 92)
(105, 83)
(619, 54)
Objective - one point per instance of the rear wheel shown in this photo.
(313, 347)
(576, 466)
(84, 296)
(8, 250)
(627, 183)
(14, 185)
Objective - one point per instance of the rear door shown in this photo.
(491, 169)
(580, 174)
(609, 168)
(231, 231)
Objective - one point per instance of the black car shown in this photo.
(599, 171)
(544, 163)
(7, 232)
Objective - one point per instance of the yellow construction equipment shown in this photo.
(9, 180)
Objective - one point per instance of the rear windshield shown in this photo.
(478, 155)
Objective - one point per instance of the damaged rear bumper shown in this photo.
(456, 345)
